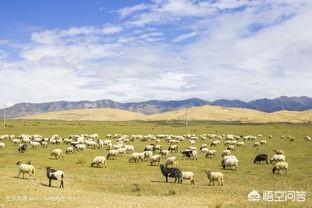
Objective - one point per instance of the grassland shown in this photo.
(139, 185)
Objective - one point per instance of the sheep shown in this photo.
(203, 146)
(204, 150)
(189, 153)
(263, 142)
(214, 176)
(226, 153)
(54, 174)
(261, 157)
(22, 148)
(230, 162)
(80, 147)
(70, 150)
(164, 153)
(147, 155)
(57, 153)
(211, 153)
(215, 143)
(227, 157)
(35, 144)
(25, 168)
(136, 157)
(44, 144)
(188, 175)
(279, 152)
(278, 158)
(231, 147)
(112, 154)
(122, 151)
(2, 145)
(155, 160)
(256, 144)
(171, 161)
(99, 161)
(129, 148)
(279, 167)
(173, 148)
(16, 141)
(240, 144)
(308, 138)
(171, 172)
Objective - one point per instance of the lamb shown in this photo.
(112, 154)
(278, 158)
(136, 157)
(155, 160)
(171, 161)
(2, 145)
(99, 161)
(261, 157)
(44, 144)
(171, 172)
(26, 168)
(54, 174)
(279, 167)
(57, 153)
(188, 175)
(214, 176)
(211, 153)
(230, 162)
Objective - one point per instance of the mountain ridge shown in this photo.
(149, 107)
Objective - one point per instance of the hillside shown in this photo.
(211, 113)
(159, 106)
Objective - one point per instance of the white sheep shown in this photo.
(2, 145)
(279, 167)
(230, 162)
(80, 147)
(215, 142)
(99, 161)
(226, 152)
(279, 152)
(129, 148)
(25, 168)
(16, 141)
(308, 138)
(278, 158)
(256, 144)
(211, 153)
(136, 157)
(231, 147)
(155, 160)
(147, 155)
(263, 142)
(122, 151)
(204, 150)
(173, 161)
(215, 176)
(112, 154)
(164, 153)
(240, 144)
(57, 153)
(70, 150)
(35, 145)
(188, 175)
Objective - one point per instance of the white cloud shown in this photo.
(250, 50)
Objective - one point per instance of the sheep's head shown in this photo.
(274, 169)
(18, 162)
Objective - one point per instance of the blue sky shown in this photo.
(159, 49)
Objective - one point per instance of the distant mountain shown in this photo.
(158, 106)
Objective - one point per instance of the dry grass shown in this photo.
(202, 113)
(139, 185)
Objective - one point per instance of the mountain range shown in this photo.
(158, 106)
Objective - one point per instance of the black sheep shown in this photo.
(172, 173)
(261, 157)
(22, 148)
(54, 174)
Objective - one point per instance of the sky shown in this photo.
(160, 49)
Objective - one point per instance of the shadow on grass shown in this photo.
(47, 185)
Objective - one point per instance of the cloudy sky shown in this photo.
(160, 49)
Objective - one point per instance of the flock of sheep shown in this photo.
(119, 145)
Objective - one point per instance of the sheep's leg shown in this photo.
(23, 175)
(49, 181)
(18, 174)
(166, 178)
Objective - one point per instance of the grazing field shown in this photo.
(140, 185)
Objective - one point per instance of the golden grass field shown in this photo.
(204, 113)
(139, 185)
